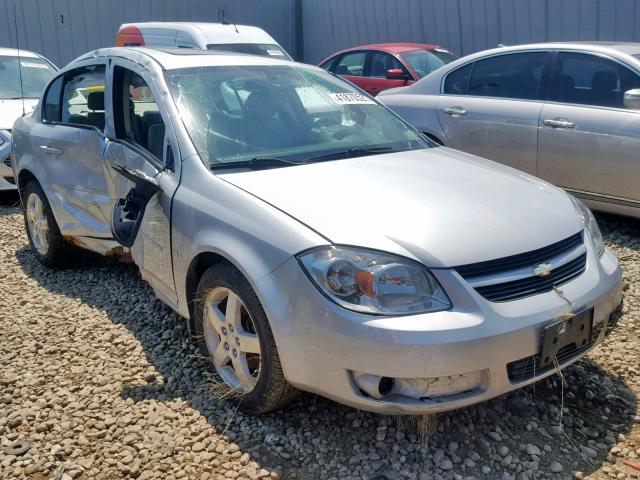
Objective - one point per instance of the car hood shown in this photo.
(11, 110)
(439, 206)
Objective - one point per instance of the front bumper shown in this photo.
(324, 348)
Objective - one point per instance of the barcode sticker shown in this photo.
(351, 99)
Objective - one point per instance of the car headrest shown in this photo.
(95, 101)
(604, 81)
(260, 105)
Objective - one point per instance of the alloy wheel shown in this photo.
(231, 339)
(38, 224)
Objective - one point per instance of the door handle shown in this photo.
(51, 150)
(559, 123)
(455, 111)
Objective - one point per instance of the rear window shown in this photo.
(424, 62)
(262, 49)
(36, 73)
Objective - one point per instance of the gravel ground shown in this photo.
(99, 380)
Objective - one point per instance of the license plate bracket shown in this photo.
(575, 329)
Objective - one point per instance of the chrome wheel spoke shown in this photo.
(214, 317)
(221, 356)
(247, 342)
(242, 371)
(233, 311)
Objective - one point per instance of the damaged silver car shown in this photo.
(312, 239)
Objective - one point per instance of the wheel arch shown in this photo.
(24, 177)
(200, 264)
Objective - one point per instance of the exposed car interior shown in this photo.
(136, 115)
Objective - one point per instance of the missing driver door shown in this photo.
(140, 160)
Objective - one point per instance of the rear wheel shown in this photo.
(42, 230)
(233, 333)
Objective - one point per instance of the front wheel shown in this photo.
(233, 333)
(44, 235)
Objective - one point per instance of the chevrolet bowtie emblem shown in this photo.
(542, 270)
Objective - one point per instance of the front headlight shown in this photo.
(591, 225)
(373, 282)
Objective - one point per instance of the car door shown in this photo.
(589, 141)
(140, 157)
(350, 66)
(491, 107)
(70, 141)
(377, 66)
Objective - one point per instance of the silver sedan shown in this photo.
(565, 112)
(312, 239)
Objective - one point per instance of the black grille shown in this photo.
(7, 161)
(529, 367)
(514, 262)
(502, 292)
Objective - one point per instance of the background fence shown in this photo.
(313, 29)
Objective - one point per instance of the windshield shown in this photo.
(242, 113)
(262, 49)
(36, 73)
(424, 62)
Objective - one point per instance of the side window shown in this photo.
(516, 75)
(83, 97)
(351, 64)
(590, 80)
(457, 81)
(52, 100)
(136, 114)
(381, 62)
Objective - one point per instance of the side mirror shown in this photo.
(396, 74)
(632, 99)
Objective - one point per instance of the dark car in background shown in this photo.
(378, 67)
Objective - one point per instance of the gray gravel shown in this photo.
(99, 380)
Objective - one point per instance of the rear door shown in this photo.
(141, 159)
(70, 141)
(491, 107)
(589, 142)
(350, 66)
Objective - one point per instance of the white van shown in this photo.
(203, 36)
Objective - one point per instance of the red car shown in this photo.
(377, 67)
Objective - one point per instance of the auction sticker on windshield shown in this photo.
(350, 99)
(34, 65)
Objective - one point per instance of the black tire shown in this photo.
(272, 390)
(58, 252)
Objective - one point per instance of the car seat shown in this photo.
(95, 103)
(603, 84)
(567, 88)
(264, 125)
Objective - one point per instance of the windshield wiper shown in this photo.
(351, 153)
(256, 163)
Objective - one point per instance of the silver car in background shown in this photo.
(23, 76)
(312, 239)
(568, 113)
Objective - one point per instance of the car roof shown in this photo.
(13, 52)
(394, 48)
(215, 33)
(628, 48)
(174, 58)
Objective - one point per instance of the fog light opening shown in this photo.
(374, 386)
(385, 386)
